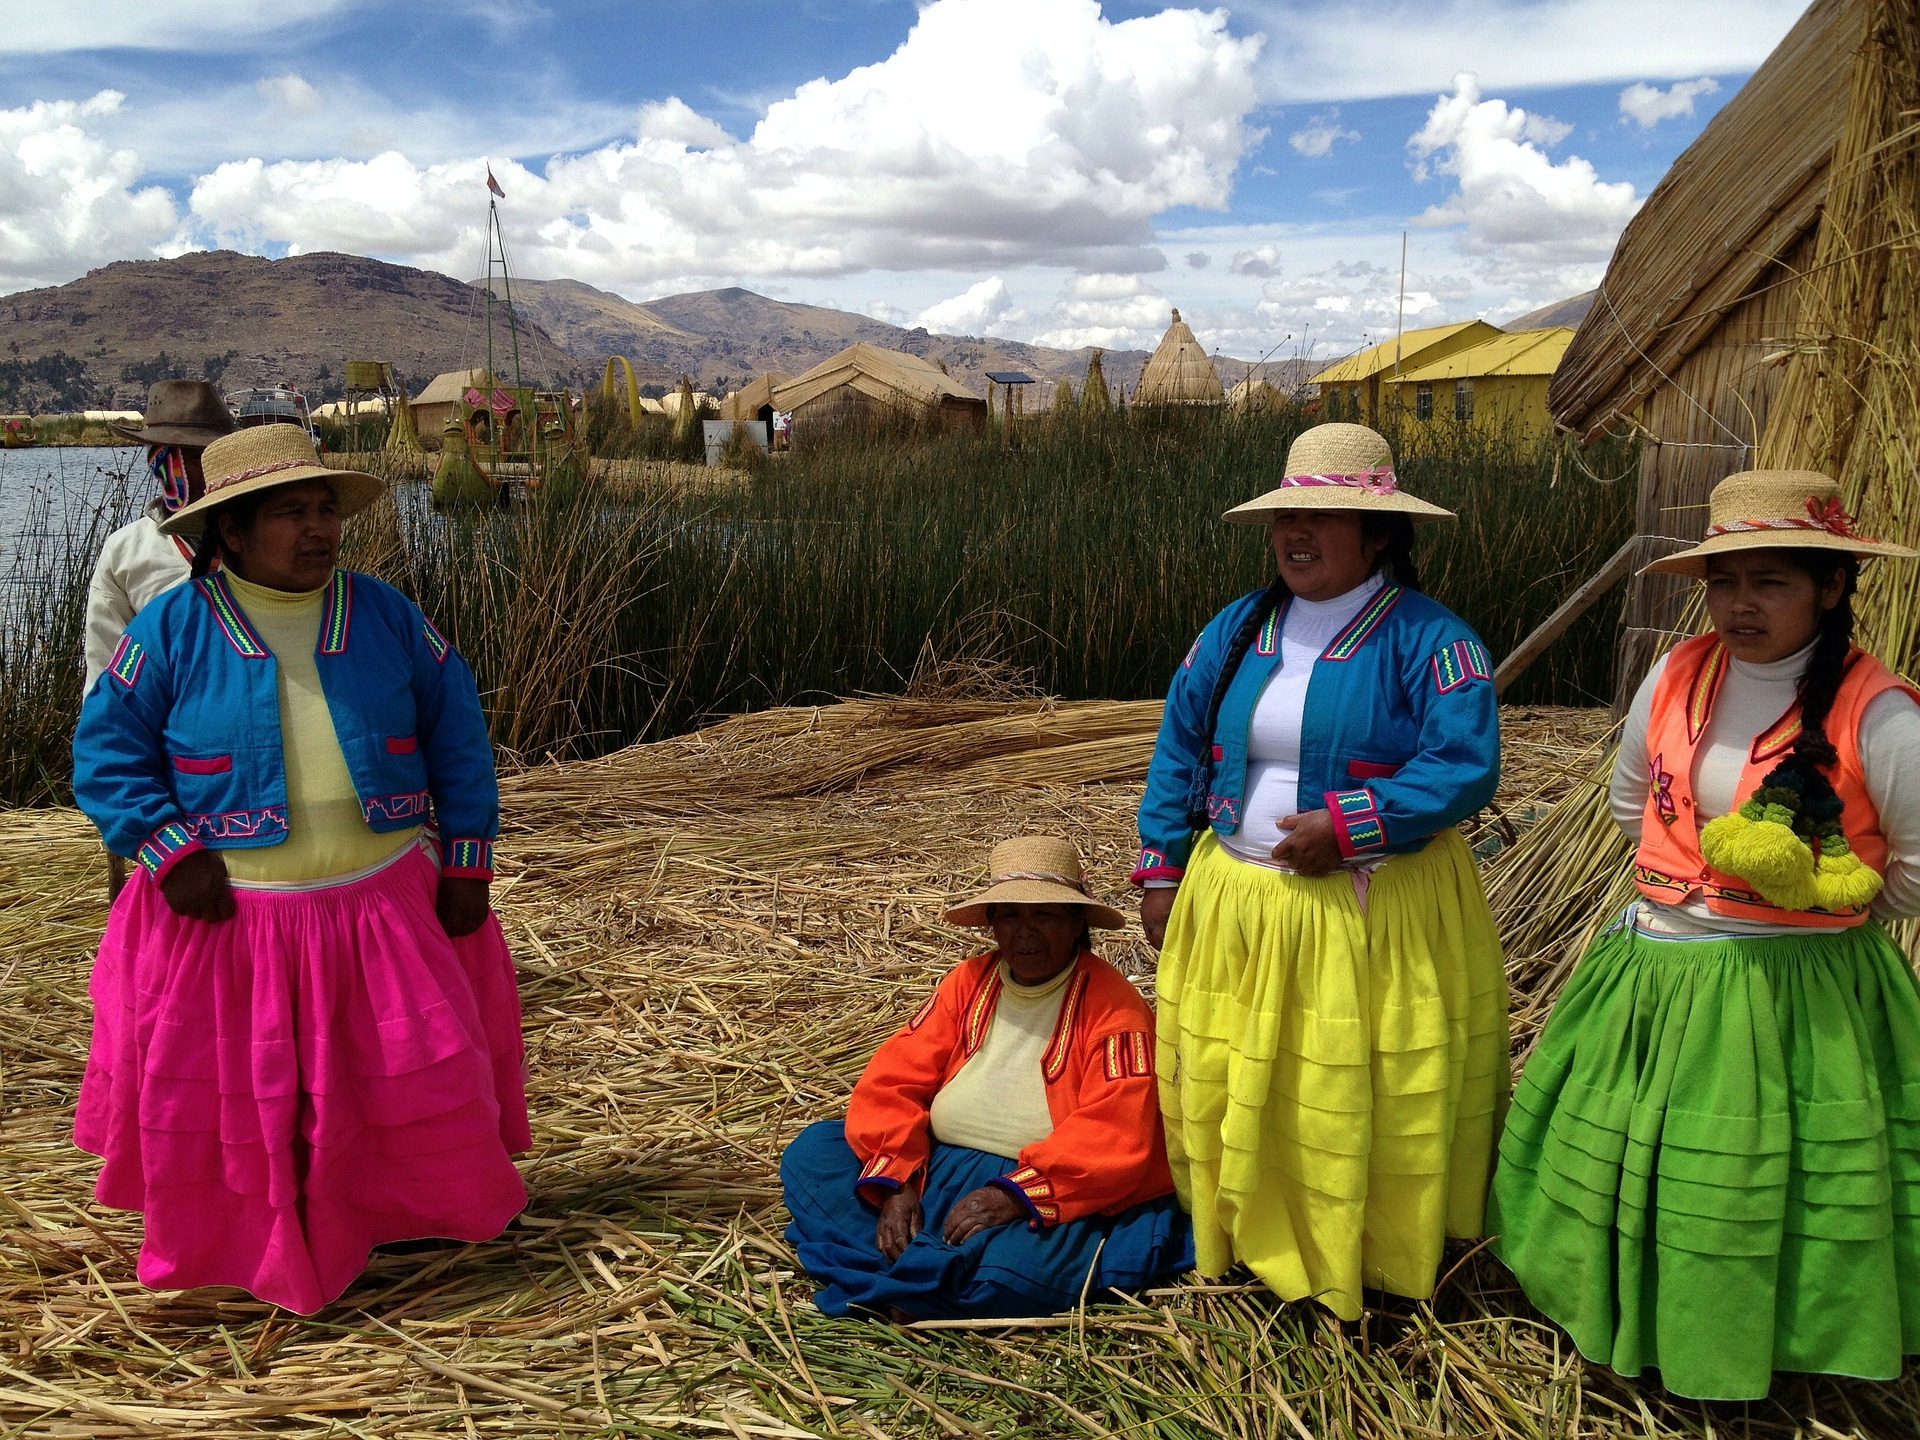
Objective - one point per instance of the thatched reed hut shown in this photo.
(444, 398)
(868, 385)
(1179, 372)
(1255, 394)
(754, 401)
(1704, 300)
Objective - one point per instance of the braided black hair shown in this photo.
(1800, 780)
(1396, 557)
(208, 550)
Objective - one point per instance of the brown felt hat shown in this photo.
(179, 412)
(1776, 510)
(1035, 870)
(1338, 466)
(265, 457)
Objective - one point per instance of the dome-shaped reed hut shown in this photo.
(1179, 372)
(1255, 394)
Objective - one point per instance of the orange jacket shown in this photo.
(1668, 866)
(1107, 1151)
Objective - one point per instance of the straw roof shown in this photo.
(745, 403)
(1738, 199)
(1179, 372)
(1254, 393)
(447, 388)
(890, 376)
(1527, 352)
(1409, 347)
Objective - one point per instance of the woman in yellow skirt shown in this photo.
(1332, 1004)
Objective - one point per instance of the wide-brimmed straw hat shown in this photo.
(1776, 510)
(1338, 467)
(265, 457)
(1035, 870)
(179, 412)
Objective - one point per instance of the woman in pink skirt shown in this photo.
(306, 1035)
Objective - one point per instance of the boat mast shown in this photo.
(506, 280)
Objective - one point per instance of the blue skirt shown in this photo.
(1005, 1271)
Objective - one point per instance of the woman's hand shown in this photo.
(981, 1209)
(900, 1217)
(462, 904)
(1310, 846)
(196, 888)
(1156, 904)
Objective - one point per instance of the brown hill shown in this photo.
(99, 341)
(1569, 312)
(234, 319)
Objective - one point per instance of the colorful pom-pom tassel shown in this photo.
(1767, 855)
(1844, 881)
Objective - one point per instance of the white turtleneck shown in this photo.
(1751, 699)
(1273, 732)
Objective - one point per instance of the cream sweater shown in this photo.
(997, 1101)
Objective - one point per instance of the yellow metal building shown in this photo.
(1353, 388)
(1500, 382)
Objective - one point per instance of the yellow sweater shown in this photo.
(327, 832)
(997, 1101)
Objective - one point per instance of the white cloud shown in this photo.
(1528, 218)
(1647, 105)
(1198, 259)
(674, 120)
(1097, 127)
(1321, 50)
(195, 25)
(881, 310)
(1262, 260)
(290, 92)
(69, 201)
(1116, 312)
(983, 308)
(1320, 135)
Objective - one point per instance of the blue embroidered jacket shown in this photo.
(178, 747)
(1401, 735)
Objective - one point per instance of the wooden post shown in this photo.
(1570, 610)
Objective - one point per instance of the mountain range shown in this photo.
(99, 341)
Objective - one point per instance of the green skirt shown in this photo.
(1712, 1161)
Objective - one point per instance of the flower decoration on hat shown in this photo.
(1831, 515)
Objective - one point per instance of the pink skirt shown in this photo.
(280, 1092)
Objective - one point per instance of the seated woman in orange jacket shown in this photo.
(1003, 1153)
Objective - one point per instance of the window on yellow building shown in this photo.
(1463, 401)
(1423, 402)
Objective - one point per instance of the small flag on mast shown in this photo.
(494, 185)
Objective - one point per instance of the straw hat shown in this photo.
(180, 412)
(264, 457)
(1035, 870)
(1776, 510)
(1337, 467)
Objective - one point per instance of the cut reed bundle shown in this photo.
(719, 985)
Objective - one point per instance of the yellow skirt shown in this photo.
(1333, 1079)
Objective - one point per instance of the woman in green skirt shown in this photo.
(1712, 1163)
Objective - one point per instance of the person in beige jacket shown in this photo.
(138, 562)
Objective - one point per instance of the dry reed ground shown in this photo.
(713, 933)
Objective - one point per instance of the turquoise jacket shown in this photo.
(1401, 738)
(178, 747)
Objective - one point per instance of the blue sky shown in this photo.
(1059, 170)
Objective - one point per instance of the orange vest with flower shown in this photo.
(1668, 866)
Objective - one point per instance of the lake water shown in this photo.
(57, 497)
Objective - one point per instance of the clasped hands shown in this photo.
(901, 1217)
(1308, 846)
(196, 888)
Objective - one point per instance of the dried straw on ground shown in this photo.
(1179, 372)
(712, 935)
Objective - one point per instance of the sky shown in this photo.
(1059, 171)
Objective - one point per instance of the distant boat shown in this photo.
(270, 405)
(16, 432)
